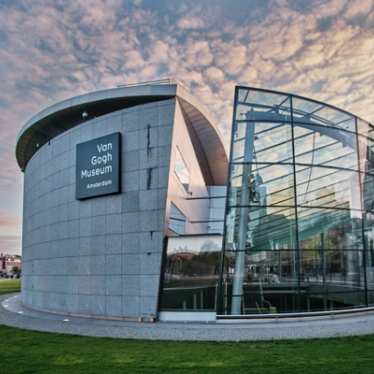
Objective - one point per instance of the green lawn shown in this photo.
(24, 351)
(9, 285)
(33, 352)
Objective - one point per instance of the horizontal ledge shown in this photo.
(295, 315)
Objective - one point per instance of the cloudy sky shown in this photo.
(50, 50)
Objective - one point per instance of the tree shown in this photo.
(16, 270)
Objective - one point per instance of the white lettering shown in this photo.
(96, 171)
(99, 184)
(104, 159)
(104, 147)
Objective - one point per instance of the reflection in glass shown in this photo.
(177, 220)
(191, 273)
(327, 187)
(325, 147)
(310, 112)
(181, 170)
(299, 228)
(366, 147)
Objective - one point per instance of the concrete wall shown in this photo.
(100, 256)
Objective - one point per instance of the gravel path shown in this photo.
(12, 313)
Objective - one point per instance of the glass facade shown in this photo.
(299, 224)
(177, 220)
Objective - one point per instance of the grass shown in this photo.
(34, 352)
(29, 352)
(9, 285)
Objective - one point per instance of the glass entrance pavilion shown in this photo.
(299, 227)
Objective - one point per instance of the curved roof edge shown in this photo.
(64, 115)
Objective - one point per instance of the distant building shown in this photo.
(10, 265)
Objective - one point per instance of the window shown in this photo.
(177, 221)
(182, 171)
(191, 273)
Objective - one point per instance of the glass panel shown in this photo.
(330, 228)
(330, 279)
(177, 220)
(266, 185)
(325, 146)
(242, 94)
(269, 282)
(367, 187)
(262, 142)
(181, 170)
(332, 267)
(268, 106)
(327, 187)
(369, 239)
(366, 152)
(365, 128)
(325, 300)
(260, 228)
(370, 297)
(263, 98)
(309, 112)
(191, 273)
(304, 108)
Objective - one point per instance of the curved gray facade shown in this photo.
(102, 256)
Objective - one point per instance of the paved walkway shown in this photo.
(12, 313)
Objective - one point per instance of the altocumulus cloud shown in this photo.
(52, 50)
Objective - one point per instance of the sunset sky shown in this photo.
(50, 50)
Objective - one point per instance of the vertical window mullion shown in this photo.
(363, 214)
(296, 228)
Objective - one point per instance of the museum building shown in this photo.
(133, 209)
